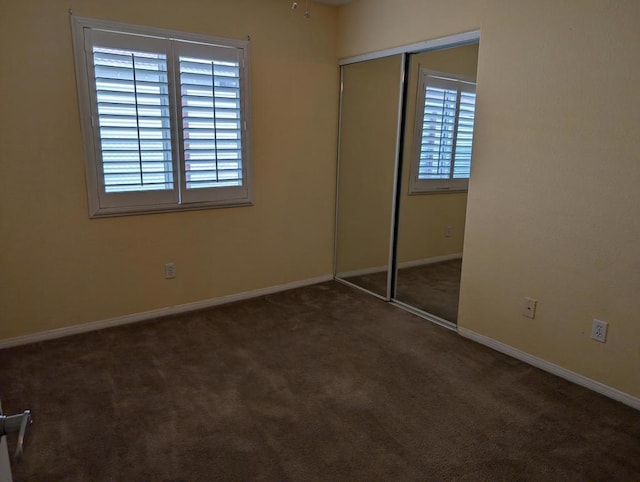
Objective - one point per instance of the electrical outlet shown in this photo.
(599, 330)
(170, 270)
(529, 308)
(448, 231)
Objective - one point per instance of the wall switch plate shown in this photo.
(170, 270)
(599, 330)
(529, 308)
(448, 231)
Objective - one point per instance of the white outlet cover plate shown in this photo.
(529, 308)
(599, 330)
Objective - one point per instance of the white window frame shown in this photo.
(429, 186)
(172, 43)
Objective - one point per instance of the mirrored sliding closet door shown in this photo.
(368, 152)
(406, 136)
(436, 163)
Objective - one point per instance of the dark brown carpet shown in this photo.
(434, 288)
(319, 383)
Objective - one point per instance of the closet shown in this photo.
(406, 131)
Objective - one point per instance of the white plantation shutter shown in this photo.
(444, 133)
(131, 119)
(133, 115)
(438, 129)
(211, 121)
(164, 118)
(464, 132)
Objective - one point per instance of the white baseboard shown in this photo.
(434, 259)
(405, 264)
(147, 315)
(557, 370)
(361, 272)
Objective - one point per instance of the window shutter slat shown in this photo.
(134, 119)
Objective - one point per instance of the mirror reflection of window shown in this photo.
(445, 117)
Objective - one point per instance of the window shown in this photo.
(164, 118)
(444, 133)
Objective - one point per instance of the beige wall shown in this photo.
(371, 92)
(59, 268)
(553, 200)
(371, 25)
(424, 218)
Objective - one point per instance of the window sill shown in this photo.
(163, 208)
